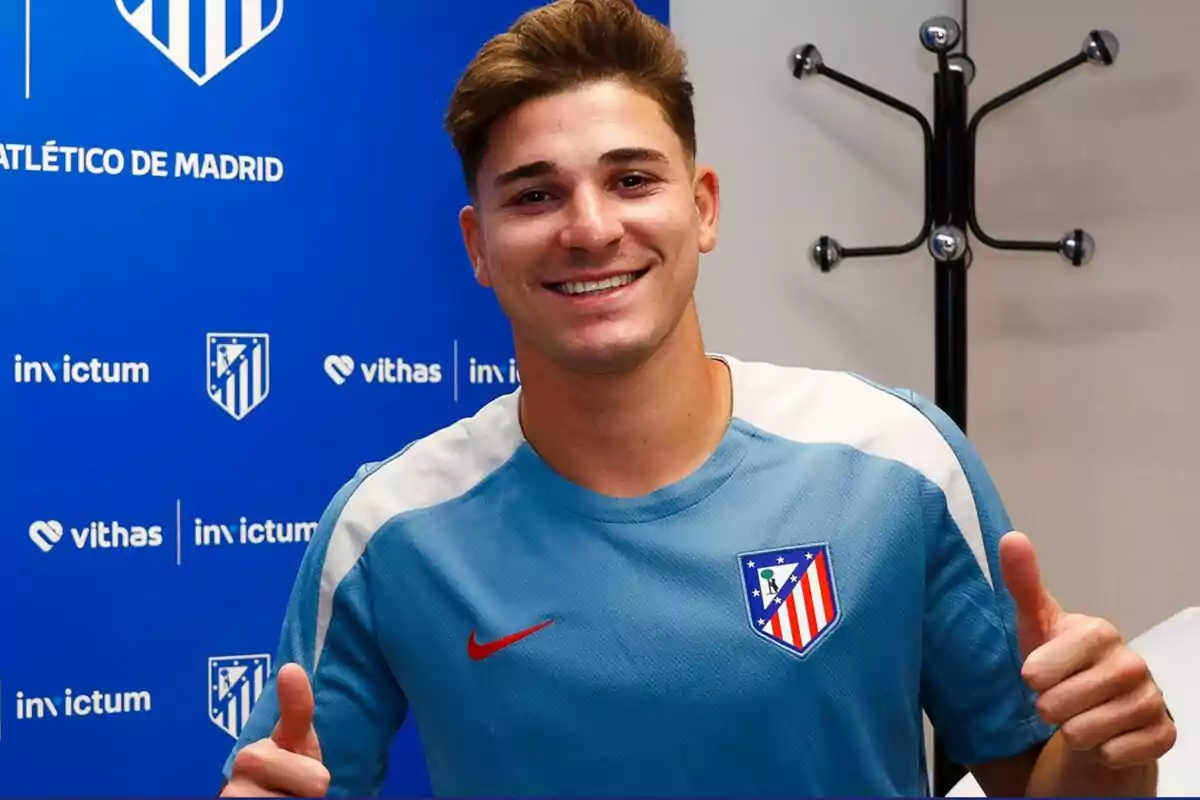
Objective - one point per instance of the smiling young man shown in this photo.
(657, 571)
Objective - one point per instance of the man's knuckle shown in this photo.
(1046, 708)
(1150, 704)
(1111, 755)
(1132, 668)
(249, 759)
(1101, 632)
(1168, 737)
(1072, 733)
(323, 781)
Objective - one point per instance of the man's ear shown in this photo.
(468, 221)
(708, 206)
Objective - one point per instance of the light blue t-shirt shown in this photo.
(774, 623)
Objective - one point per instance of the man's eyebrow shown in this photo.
(534, 169)
(621, 155)
(624, 155)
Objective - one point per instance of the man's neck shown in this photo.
(630, 434)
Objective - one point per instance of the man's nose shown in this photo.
(592, 222)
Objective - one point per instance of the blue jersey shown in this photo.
(774, 623)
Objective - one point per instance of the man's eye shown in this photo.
(633, 181)
(533, 196)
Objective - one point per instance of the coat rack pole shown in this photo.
(949, 201)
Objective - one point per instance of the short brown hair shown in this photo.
(561, 45)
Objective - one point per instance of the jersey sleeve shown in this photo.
(328, 629)
(971, 682)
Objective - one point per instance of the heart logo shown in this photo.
(338, 368)
(46, 534)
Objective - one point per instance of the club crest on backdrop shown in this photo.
(239, 371)
(234, 686)
(203, 37)
(791, 595)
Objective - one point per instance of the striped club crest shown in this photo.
(791, 595)
(203, 37)
(234, 686)
(239, 371)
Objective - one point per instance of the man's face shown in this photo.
(588, 225)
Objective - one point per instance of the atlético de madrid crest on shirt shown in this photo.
(791, 595)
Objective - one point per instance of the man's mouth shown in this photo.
(590, 288)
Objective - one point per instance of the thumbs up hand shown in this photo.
(295, 732)
(1096, 689)
(288, 763)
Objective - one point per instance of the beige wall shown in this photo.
(1082, 387)
(1084, 390)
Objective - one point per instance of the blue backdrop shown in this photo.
(231, 273)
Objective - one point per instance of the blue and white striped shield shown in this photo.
(234, 686)
(203, 37)
(239, 371)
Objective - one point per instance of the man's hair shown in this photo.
(560, 46)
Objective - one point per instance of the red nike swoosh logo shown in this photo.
(478, 652)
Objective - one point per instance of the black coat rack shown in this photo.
(950, 211)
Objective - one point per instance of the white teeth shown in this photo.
(587, 287)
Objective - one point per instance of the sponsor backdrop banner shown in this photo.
(232, 273)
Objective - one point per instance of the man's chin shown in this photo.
(610, 347)
(611, 357)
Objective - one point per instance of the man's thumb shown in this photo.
(1037, 610)
(294, 731)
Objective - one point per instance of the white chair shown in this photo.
(1172, 649)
